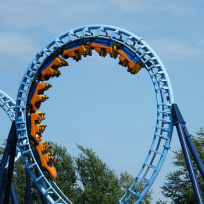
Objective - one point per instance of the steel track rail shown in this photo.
(8, 105)
(164, 98)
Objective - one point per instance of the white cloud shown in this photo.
(16, 44)
(175, 7)
(47, 15)
(57, 16)
(16, 48)
(201, 42)
(30, 22)
(173, 50)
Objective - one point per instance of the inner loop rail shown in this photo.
(134, 54)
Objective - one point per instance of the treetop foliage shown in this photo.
(178, 188)
(85, 179)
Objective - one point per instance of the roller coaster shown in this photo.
(26, 133)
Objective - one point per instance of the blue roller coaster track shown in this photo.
(138, 52)
(9, 105)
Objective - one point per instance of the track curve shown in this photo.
(163, 91)
(9, 105)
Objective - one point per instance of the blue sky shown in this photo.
(95, 102)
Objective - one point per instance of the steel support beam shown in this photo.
(179, 122)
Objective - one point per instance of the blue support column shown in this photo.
(194, 153)
(2, 186)
(180, 126)
(12, 142)
(28, 187)
(13, 194)
(9, 152)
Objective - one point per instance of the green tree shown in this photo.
(65, 170)
(1, 150)
(66, 174)
(178, 187)
(161, 202)
(18, 178)
(86, 179)
(100, 184)
(126, 181)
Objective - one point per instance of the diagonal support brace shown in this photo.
(9, 152)
(179, 122)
